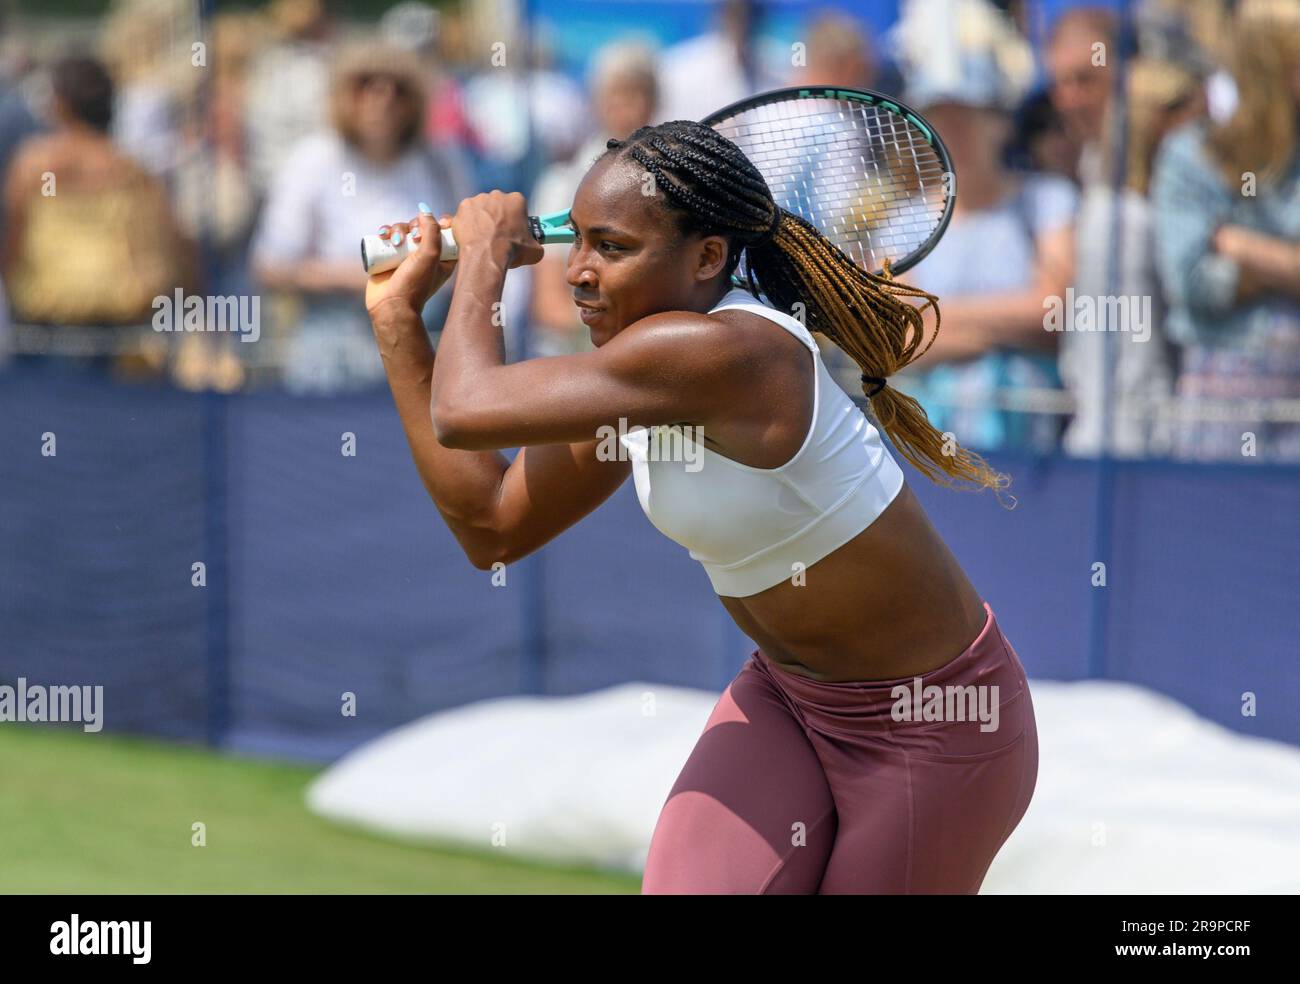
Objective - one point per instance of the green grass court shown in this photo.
(92, 813)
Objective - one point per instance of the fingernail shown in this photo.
(397, 239)
(425, 209)
(415, 235)
(384, 230)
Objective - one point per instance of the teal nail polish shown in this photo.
(397, 239)
(425, 209)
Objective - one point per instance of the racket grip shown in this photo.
(380, 255)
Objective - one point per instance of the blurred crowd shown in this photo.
(1122, 269)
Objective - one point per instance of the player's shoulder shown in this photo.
(736, 310)
(669, 328)
(687, 343)
(721, 346)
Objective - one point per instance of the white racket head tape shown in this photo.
(380, 255)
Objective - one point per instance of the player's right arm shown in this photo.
(498, 510)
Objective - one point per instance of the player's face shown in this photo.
(627, 261)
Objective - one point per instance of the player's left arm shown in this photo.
(664, 369)
(668, 368)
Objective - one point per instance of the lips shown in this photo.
(588, 312)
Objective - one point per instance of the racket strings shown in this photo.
(866, 177)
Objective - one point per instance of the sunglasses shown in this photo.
(365, 80)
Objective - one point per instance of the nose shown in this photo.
(380, 91)
(579, 273)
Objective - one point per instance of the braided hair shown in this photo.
(711, 188)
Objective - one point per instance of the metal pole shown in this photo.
(533, 596)
(1103, 506)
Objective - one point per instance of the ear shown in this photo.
(711, 258)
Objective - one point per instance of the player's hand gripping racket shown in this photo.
(378, 255)
(868, 172)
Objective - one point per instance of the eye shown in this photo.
(609, 247)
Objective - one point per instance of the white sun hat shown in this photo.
(961, 51)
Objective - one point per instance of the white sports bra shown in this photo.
(751, 528)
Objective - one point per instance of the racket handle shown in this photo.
(379, 255)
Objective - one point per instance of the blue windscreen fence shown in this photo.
(327, 574)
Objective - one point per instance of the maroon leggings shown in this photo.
(802, 787)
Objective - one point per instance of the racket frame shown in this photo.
(871, 98)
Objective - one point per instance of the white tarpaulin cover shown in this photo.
(1135, 792)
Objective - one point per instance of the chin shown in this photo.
(601, 334)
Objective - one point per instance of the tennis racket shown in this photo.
(870, 174)
(866, 171)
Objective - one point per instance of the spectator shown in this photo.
(215, 196)
(89, 237)
(710, 71)
(1227, 213)
(418, 28)
(623, 93)
(215, 200)
(288, 86)
(1040, 142)
(839, 53)
(1009, 246)
(937, 38)
(17, 122)
(526, 114)
(372, 167)
(142, 45)
(1139, 369)
(1080, 51)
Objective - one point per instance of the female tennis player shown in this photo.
(815, 773)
